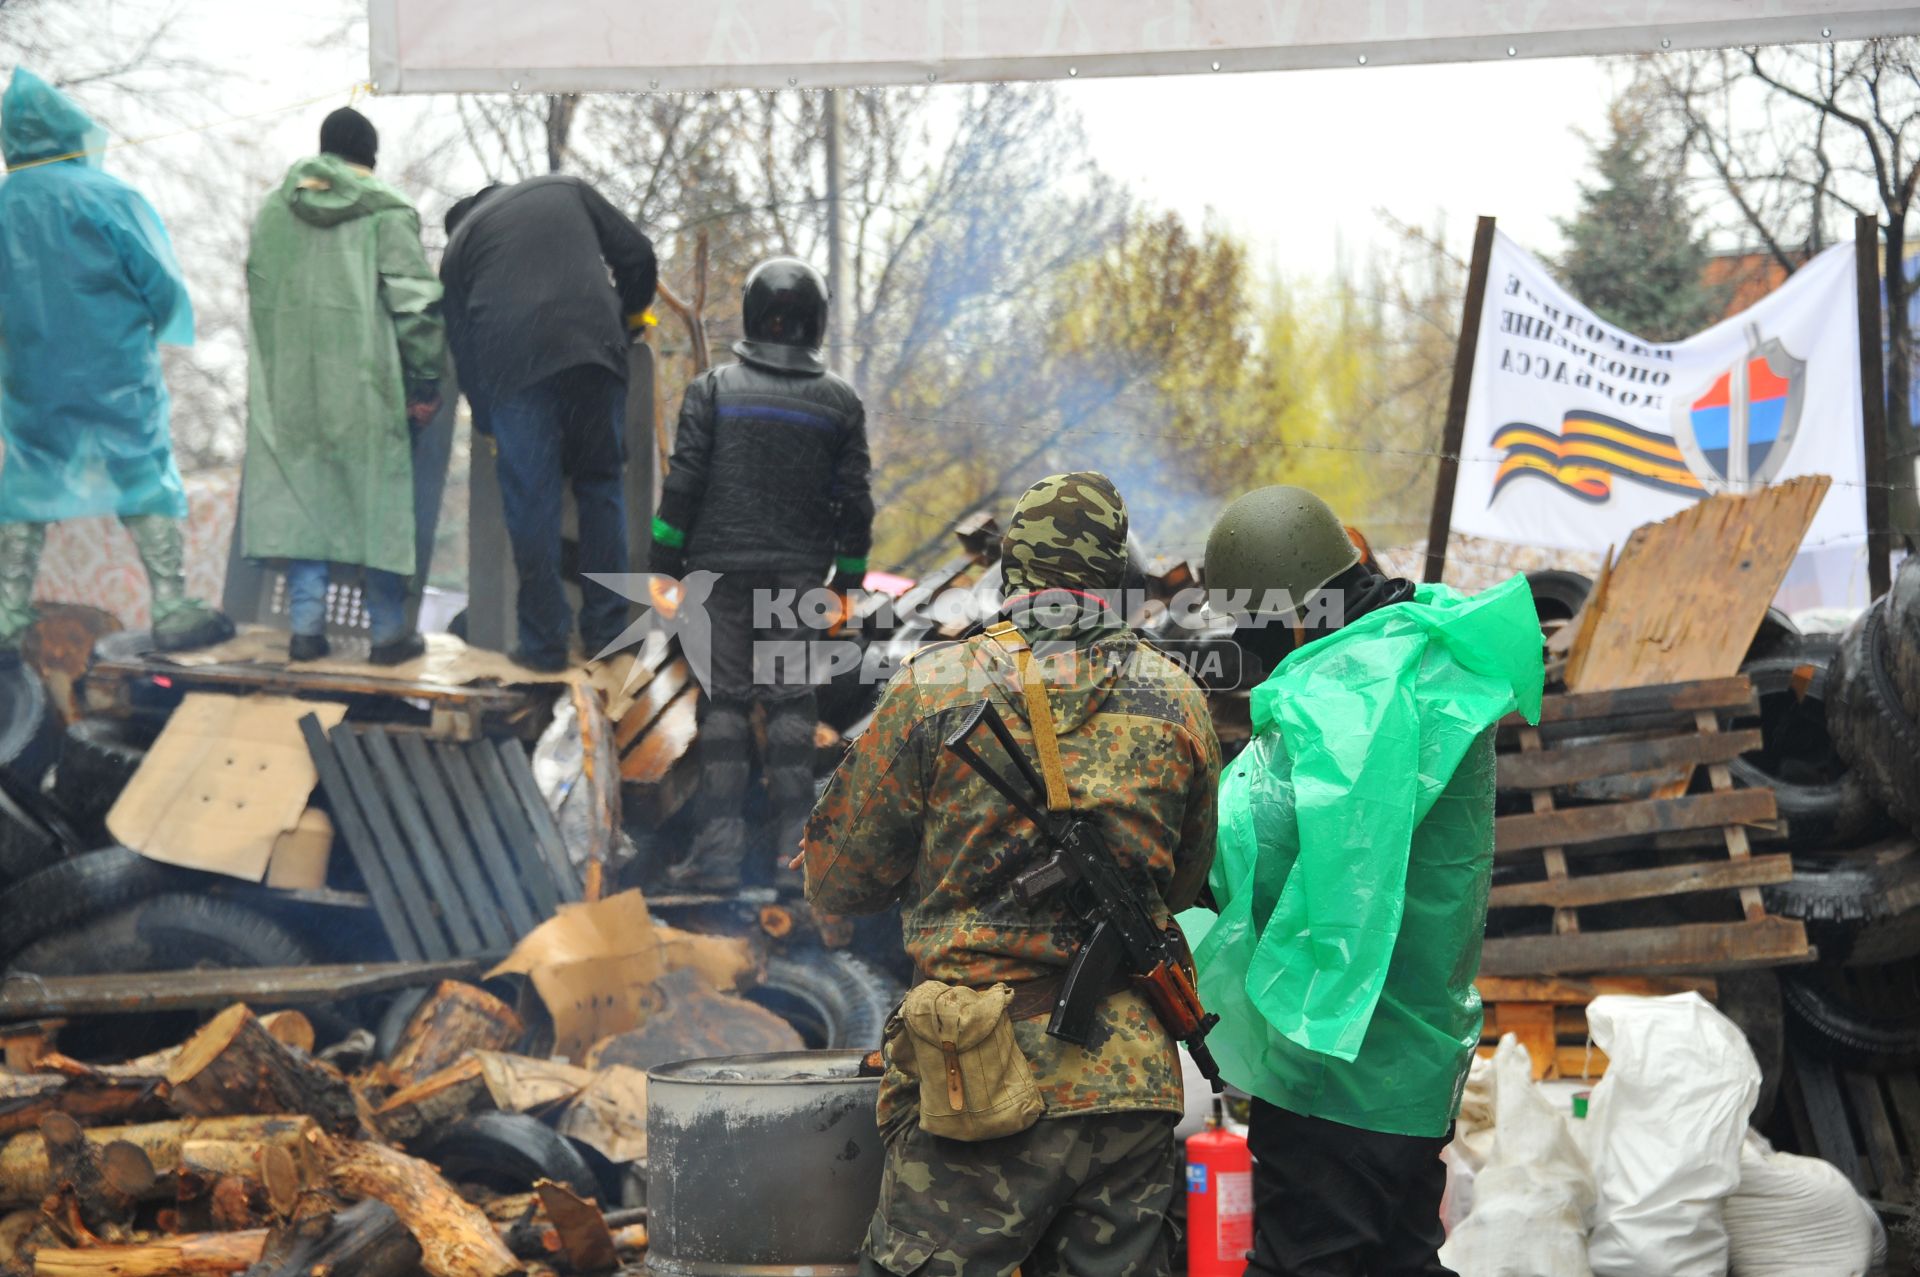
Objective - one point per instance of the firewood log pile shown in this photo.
(239, 1151)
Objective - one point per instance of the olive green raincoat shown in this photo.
(344, 313)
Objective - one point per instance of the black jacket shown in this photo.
(527, 291)
(770, 472)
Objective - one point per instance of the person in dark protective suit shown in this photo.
(539, 340)
(768, 487)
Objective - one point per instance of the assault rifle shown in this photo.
(1121, 935)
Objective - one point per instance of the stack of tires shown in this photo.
(1856, 872)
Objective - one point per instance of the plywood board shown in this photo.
(1688, 594)
(227, 778)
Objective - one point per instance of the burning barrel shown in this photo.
(761, 1164)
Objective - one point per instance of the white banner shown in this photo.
(1577, 432)
(435, 46)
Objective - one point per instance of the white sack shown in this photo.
(1799, 1217)
(1534, 1198)
(1664, 1131)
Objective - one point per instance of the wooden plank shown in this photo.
(388, 847)
(1710, 838)
(1738, 849)
(1575, 763)
(1876, 1132)
(1643, 884)
(1832, 1137)
(1903, 1088)
(1495, 989)
(1687, 594)
(1700, 946)
(302, 680)
(1666, 698)
(1576, 825)
(546, 831)
(488, 914)
(204, 988)
(516, 832)
(1565, 921)
(486, 837)
(1532, 1024)
(666, 744)
(352, 824)
(650, 704)
(455, 910)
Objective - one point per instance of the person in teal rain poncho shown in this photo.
(1355, 854)
(89, 288)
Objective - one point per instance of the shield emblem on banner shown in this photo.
(1737, 430)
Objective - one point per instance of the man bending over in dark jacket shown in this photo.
(539, 340)
(768, 487)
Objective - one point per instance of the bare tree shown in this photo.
(1791, 143)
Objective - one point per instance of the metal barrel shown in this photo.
(761, 1165)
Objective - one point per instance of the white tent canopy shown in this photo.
(435, 46)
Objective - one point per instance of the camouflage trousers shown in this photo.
(1068, 1197)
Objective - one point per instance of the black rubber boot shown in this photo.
(308, 647)
(399, 651)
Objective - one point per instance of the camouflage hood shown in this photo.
(1068, 532)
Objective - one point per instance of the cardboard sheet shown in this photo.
(227, 778)
(594, 966)
(610, 1115)
(521, 1084)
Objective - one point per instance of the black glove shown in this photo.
(846, 581)
(668, 560)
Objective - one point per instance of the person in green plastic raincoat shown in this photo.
(346, 347)
(1354, 859)
(89, 288)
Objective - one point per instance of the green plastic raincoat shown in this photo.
(345, 312)
(1355, 852)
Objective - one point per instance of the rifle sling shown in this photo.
(1039, 715)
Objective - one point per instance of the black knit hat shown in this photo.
(351, 136)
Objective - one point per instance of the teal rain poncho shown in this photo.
(1355, 852)
(88, 289)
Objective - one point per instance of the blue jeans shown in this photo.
(383, 593)
(566, 428)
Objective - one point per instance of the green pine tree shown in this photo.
(1633, 253)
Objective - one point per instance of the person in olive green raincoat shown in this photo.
(346, 346)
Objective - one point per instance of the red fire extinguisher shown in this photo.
(1219, 1200)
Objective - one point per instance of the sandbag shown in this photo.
(1533, 1199)
(1799, 1217)
(1664, 1130)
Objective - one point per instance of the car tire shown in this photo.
(1753, 1001)
(1867, 722)
(509, 1152)
(1902, 627)
(1558, 595)
(1864, 1016)
(1861, 908)
(172, 931)
(831, 998)
(98, 758)
(1824, 802)
(26, 844)
(29, 727)
(71, 891)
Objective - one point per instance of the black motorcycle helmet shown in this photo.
(784, 308)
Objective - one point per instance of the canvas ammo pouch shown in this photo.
(975, 1084)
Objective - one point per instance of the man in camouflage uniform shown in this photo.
(1086, 1188)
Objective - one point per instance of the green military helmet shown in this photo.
(1276, 539)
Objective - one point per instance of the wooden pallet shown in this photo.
(1695, 843)
(1866, 1123)
(1549, 1016)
